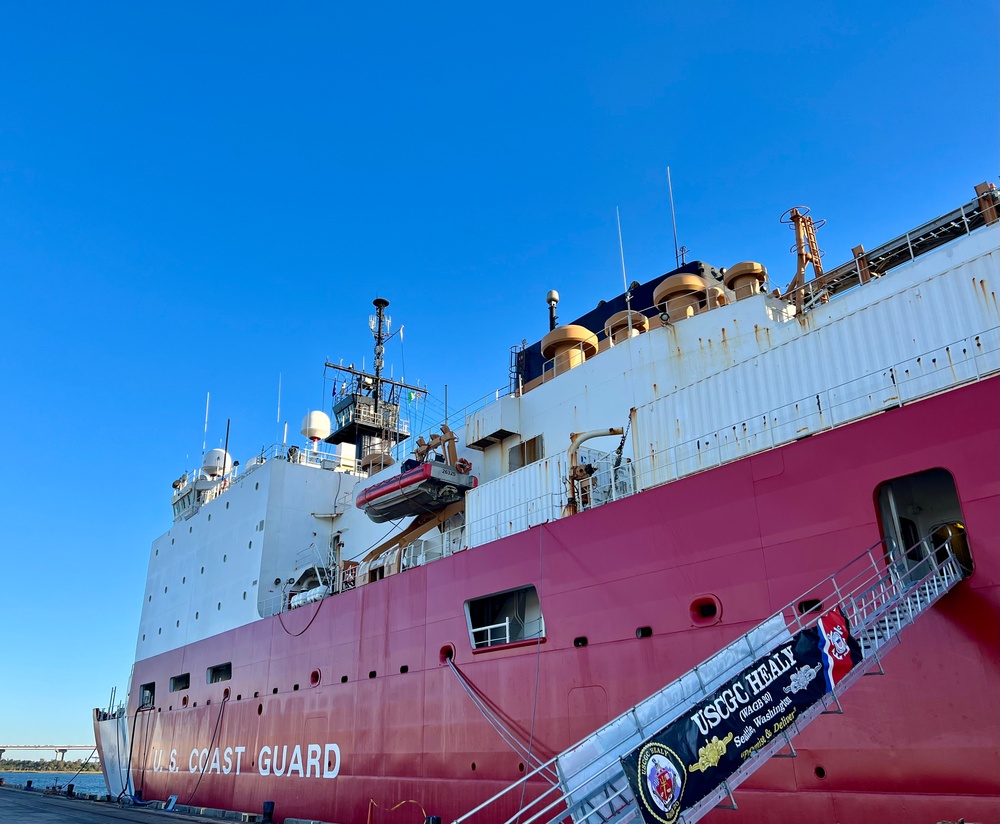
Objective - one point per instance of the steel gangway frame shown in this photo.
(879, 598)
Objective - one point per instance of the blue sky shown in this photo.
(199, 197)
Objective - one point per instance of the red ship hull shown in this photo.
(365, 670)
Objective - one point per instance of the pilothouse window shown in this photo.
(505, 618)
(180, 682)
(147, 694)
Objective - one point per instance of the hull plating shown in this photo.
(348, 701)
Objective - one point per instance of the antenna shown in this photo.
(204, 440)
(628, 293)
(679, 251)
(278, 418)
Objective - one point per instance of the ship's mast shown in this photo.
(380, 331)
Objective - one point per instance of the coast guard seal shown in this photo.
(660, 782)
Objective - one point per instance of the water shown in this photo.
(86, 782)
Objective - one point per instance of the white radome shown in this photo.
(316, 426)
(217, 462)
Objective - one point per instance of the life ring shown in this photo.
(463, 466)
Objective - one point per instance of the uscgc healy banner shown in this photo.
(684, 762)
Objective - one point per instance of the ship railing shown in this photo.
(879, 593)
(539, 493)
(491, 635)
(964, 361)
(441, 414)
(900, 250)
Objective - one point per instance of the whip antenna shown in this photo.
(628, 293)
(679, 251)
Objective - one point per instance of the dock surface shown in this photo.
(36, 807)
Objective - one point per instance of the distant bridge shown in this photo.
(60, 749)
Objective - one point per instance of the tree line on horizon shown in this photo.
(50, 765)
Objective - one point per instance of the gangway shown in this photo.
(877, 595)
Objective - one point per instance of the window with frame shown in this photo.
(524, 453)
(505, 618)
(220, 672)
(180, 682)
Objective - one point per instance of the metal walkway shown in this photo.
(878, 602)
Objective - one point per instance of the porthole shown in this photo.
(227, 504)
(210, 516)
(244, 596)
(224, 558)
(149, 600)
(256, 487)
(190, 530)
(195, 704)
(706, 611)
(144, 636)
(218, 606)
(343, 679)
(260, 708)
(520, 767)
(473, 766)
(184, 701)
(820, 772)
(184, 580)
(178, 623)
(580, 641)
(274, 691)
(404, 669)
(809, 605)
(164, 590)
(447, 653)
(238, 696)
(643, 632)
(160, 631)
(372, 674)
(249, 544)
(171, 542)
(157, 553)
(225, 694)
(295, 687)
(314, 678)
(203, 570)
(256, 695)
(196, 616)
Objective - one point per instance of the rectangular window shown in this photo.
(220, 672)
(180, 682)
(525, 453)
(147, 694)
(505, 618)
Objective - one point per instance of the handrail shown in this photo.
(867, 588)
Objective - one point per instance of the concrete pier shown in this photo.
(20, 806)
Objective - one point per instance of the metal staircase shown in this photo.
(878, 600)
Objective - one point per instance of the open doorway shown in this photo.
(921, 514)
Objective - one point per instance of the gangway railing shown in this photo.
(878, 594)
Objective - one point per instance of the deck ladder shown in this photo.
(879, 600)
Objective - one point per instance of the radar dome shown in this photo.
(217, 462)
(316, 426)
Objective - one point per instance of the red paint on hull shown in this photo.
(754, 533)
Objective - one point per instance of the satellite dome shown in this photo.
(316, 426)
(217, 462)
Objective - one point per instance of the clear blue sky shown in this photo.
(198, 197)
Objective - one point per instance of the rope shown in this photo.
(218, 723)
(506, 735)
(306, 627)
(538, 665)
(372, 804)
